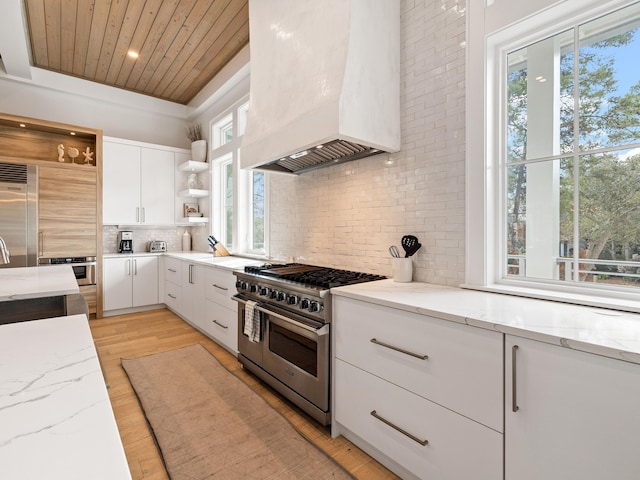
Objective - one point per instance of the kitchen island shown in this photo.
(55, 415)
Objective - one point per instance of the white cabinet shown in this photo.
(138, 184)
(172, 274)
(400, 378)
(576, 416)
(193, 293)
(221, 318)
(130, 281)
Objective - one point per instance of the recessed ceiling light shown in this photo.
(22, 125)
(72, 133)
(132, 54)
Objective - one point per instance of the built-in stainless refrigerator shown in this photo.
(19, 213)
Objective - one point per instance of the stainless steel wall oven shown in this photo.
(84, 268)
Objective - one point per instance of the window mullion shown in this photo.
(576, 156)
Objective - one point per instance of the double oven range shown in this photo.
(291, 349)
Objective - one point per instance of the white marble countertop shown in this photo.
(56, 421)
(610, 333)
(34, 282)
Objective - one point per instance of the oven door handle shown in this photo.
(324, 330)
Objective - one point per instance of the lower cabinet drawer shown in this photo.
(220, 287)
(457, 447)
(221, 324)
(173, 270)
(173, 296)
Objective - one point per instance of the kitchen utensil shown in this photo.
(218, 248)
(414, 249)
(394, 252)
(409, 243)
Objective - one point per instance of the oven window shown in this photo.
(294, 348)
(80, 272)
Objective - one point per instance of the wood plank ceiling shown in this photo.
(182, 44)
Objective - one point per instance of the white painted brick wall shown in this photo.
(346, 216)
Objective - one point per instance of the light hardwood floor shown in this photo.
(135, 335)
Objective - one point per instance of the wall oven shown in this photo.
(84, 268)
(292, 349)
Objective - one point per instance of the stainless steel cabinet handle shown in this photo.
(137, 214)
(129, 267)
(401, 430)
(219, 324)
(135, 267)
(41, 243)
(190, 273)
(514, 395)
(143, 214)
(171, 270)
(398, 349)
(172, 296)
(218, 286)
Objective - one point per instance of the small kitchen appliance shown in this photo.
(288, 347)
(157, 246)
(125, 244)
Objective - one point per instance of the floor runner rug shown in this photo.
(208, 424)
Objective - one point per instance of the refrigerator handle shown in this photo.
(41, 243)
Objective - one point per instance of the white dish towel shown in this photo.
(252, 324)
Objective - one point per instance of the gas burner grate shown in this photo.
(313, 276)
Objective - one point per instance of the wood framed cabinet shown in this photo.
(138, 184)
(420, 394)
(569, 414)
(67, 212)
(130, 281)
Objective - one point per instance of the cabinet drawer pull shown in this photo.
(172, 296)
(395, 427)
(514, 394)
(218, 286)
(398, 349)
(219, 324)
(172, 270)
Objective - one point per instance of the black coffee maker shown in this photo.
(125, 244)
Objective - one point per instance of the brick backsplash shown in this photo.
(347, 215)
(142, 235)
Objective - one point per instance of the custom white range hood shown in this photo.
(325, 83)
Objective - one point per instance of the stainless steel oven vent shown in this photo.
(337, 151)
(13, 173)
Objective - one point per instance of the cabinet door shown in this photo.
(121, 184)
(145, 281)
(117, 283)
(157, 195)
(221, 324)
(193, 293)
(577, 414)
(67, 212)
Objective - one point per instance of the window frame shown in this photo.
(489, 44)
(241, 213)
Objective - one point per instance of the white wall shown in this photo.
(347, 216)
(116, 112)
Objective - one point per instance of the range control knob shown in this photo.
(274, 294)
(253, 288)
(264, 291)
(304, 303)
(314, 307)
(238, 284)
(241, 285)
(292, 300)
(281, 296)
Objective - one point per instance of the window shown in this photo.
(563, 157)
(239, 198)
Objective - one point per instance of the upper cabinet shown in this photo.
(138, 183)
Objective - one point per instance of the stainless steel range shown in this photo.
(284, 317)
